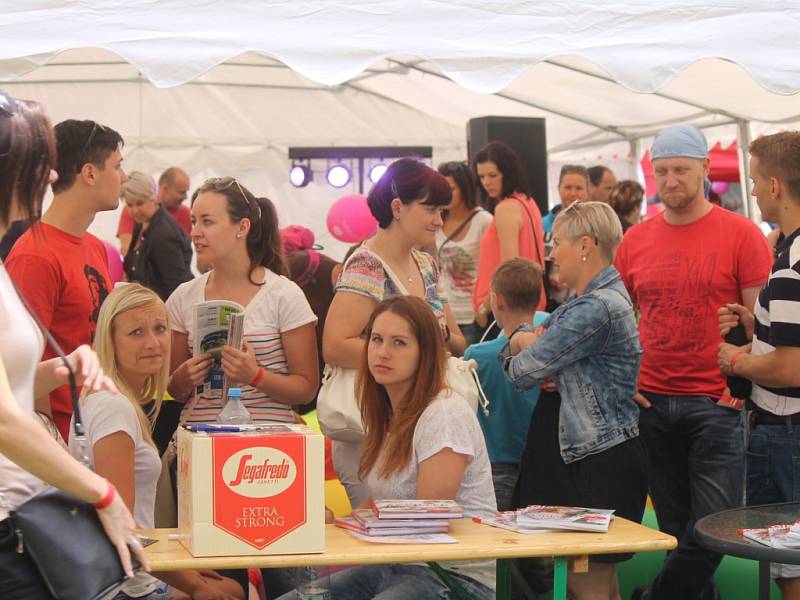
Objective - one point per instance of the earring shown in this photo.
(238, 236)
(583, 258)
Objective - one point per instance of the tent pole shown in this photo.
(751, 210)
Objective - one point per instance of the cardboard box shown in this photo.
(251, 493)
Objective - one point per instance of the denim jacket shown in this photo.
(591, 348)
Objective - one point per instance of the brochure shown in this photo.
(211, 321)
(417, 509)
(776, 536)
(564, 517)
(367, 519)
(424, 538)
(352, 524)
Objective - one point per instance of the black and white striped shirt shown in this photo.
(777, 313)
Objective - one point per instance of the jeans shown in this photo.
(396, 582)
(504, 478)
(19, 577)
(773, 473)
(695, 451)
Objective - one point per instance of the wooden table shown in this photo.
(476, 542)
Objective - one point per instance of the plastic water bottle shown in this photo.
(234, 412)
(314, 584)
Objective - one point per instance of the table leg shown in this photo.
(458, 590)
(559, 578)
(503, 579)
(763, 580)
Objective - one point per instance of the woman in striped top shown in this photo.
(236, 235)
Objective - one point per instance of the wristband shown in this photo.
(257, 379)
(106, 500)
(733, 360)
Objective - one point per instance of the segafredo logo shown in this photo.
(259, 472)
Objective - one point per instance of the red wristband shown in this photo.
(106, 500)
(733, 360)
(257, 379)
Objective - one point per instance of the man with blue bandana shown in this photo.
(680, 267)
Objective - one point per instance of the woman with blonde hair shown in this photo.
(422, 441)
(133, 345)
(583, 444)
(160, 253)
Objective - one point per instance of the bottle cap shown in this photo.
(234, 392)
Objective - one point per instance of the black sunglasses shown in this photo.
(88, 144)
(8, 105)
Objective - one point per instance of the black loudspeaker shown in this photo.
(527, 137)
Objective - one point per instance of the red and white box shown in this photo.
(251, 493)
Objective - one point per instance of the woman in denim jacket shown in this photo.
(583, 447)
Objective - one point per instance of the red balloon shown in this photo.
(115, 268)
(350, 220)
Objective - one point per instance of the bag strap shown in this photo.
(312, 266)
(533, 229)
(395, 279)
(458, 229)
(78, 429)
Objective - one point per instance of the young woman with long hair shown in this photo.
(133, 345)
(29, 456)
(422, 442)
(517, 227)
(236, 235)
(458, 245)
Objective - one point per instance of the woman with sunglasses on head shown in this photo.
(458, 244)
(133, 345)
(29, 456)
(407, 202)
(517, 227)
(422, 441)
(583, 445)
(237, 233)
(160, 253)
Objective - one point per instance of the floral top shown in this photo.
(364, 274)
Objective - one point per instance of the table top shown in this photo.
(720, 531)
(475, 542)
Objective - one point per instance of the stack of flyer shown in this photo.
(538, 518)
(403, 521)
(777, 536)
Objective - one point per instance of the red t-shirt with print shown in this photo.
(65, 279)
(679, 276)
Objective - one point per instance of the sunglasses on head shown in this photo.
(223, 183)
(8, 106)
(82, 156)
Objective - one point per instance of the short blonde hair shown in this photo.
(595, 219)
(123, 298)
(139, 186)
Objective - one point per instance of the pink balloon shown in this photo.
(349, 219)
(115, 268)
(720, 187)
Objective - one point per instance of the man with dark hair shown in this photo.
(601, 182)
(679, 267)
(173, 187)
(60, 268)
(771, 361)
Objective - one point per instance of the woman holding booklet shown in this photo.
(236, 236)
(133, 346)
(583, 447)
(421, 442)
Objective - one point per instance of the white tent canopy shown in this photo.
(227, 87)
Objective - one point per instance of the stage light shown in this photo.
(300, 176)
(376, 172)
(338, 175)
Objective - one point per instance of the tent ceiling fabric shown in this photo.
(482, 45)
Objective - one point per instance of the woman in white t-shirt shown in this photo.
(235, 234)
(133, 344)
(458, 245)
(421, 441)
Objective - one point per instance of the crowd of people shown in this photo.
(604, 345)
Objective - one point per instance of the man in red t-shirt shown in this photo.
(679, 268)
(57, 266)
(173, 186)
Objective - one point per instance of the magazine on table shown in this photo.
(574, 518)
(422, 538)
(352, 524)
(211, 332)
(776, 536)
(417, 509)
(367, 519)
(508, 520)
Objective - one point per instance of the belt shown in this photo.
(765, 418)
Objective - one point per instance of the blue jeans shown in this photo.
(396, 582)
(504, 478)
(695, 451)
(773, 473)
